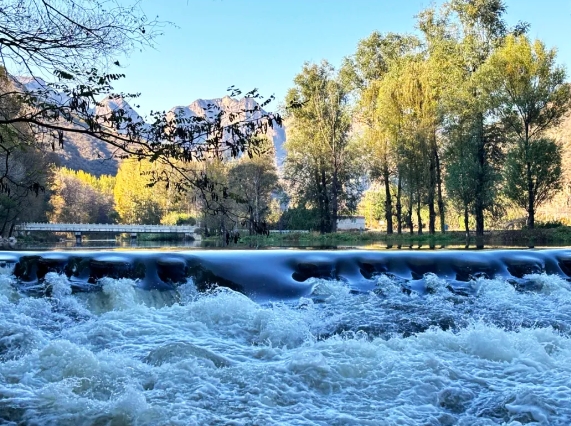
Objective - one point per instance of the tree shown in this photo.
(78, 197)
(24, 173)
(461, 37)
(72, 43)
(369, 72)
(251, 184)
(319, 160)
(461, 170)
(541, 161)
(529, 95)
(136, 202)
(25, 170)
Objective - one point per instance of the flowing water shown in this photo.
(495, 351)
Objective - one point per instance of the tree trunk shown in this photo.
(388, 199)
(439, 194)
(399, 205)
(326, 208)
(418, 217)
(431, 213)
(409, 215)
(334, 200)
(432, 187)
(320, 202)
(530, 189)
(479, 203)
(4, 225)
(466, 225)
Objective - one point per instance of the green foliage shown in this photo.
(320, 166)
(177, 218)
(542, 159)
(529, 95)
(300, 219)
(549, 224)
(373, 206)
(251, 182)
(527, 88)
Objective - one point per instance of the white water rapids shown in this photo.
(126, 356)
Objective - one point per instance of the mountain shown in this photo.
(82, 152)
(79, 152)
(209, 108)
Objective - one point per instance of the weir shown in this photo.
(351, 335)
(286, 274)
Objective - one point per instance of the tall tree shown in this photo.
(367, 70)
(318, 139)
(529, 95)
(462, 36)
(540, 163)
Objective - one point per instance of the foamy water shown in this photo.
(125, 356)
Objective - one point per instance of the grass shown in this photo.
(521, 238)
(348, 238)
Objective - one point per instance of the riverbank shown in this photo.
(521, 238)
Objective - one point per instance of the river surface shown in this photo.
(289, 338)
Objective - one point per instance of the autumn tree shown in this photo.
(529, 96)
(461, 36)
(319, 162)
(78, 197)
(252, 180)
(377, 109)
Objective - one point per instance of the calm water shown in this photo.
(191, 245)
(123, 355)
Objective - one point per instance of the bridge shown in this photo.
(79, 228)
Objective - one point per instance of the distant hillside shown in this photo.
(81, 152)
(560, 207)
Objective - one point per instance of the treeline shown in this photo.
(456, 118)
(418, 130)
(240, 196)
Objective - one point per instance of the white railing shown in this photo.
(101, 227)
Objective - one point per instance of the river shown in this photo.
(285, 337)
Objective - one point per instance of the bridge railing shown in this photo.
(101, 227)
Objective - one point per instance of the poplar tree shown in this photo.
(372, 70)
(319, 160)
(463, 35)
(529, 95)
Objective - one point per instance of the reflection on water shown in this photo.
(187, 244)
(109, 244)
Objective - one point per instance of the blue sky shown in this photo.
(264, 43)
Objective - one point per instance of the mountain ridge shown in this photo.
(87, 153)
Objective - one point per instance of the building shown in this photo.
(351, 223)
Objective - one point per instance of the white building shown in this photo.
(351, 223)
